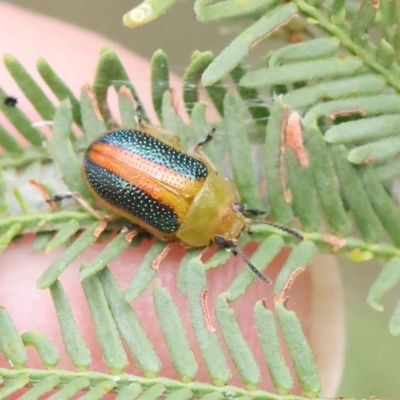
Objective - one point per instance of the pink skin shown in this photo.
(29, 37)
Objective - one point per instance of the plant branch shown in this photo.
(366, 53)
(198, 389)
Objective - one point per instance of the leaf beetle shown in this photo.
(173, 195)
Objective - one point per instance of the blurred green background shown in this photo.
(373, 355)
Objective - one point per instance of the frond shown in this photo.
(326, 149)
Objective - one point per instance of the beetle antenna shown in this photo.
(286, 229)
(242, 208)
(252, 267)
(225, 244)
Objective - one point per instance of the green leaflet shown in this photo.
(77, 247)
(146, 12)
(11, 345)
(30, 88)
(44, 346)
(6, 237)
(300, 257)
(59, 88)
(310, 49)
(99, 390)
(251, 96)
(200, 61)
(75, 347)
(363, 21)
(22, 123)
(199, 128)
(8, 142)
(113, 353)
(144, 274)
(127, 108)
(92, 120)
(232, 55)
(381, 202)
(271, 349)
(381, 150)
(239, 350)
(63, 152)
(327, 68)
(229, 9)
(159, 80)
(129, 392)
(114, 248)
(365, 218)
(365, 129)
(66, 232)
(41, 388)
(387, 279)
(359, 85)
(129, 326)
(299, 350)
(71, 388)
(174, 334)
(281, 209)
(304, 192)
(110, 72)
(240, 152)
(209, 345)
(13, 385)
(181, 394)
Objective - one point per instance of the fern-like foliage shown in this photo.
(327, 156)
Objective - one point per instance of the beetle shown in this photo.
(10, 101)
(173, 195)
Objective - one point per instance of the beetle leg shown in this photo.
(198, 151)
(45, 193)
(138, 113)
(156, 262)
(59, 197)
(104, 219)
(209, 136)
(78, 198)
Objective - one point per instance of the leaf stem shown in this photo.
(357, 249)
(198, 389)
(45, 221)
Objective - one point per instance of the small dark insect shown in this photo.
(10, 101)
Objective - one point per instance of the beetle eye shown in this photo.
(220, 241)
(238, 207)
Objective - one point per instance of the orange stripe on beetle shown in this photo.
(130, 164)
